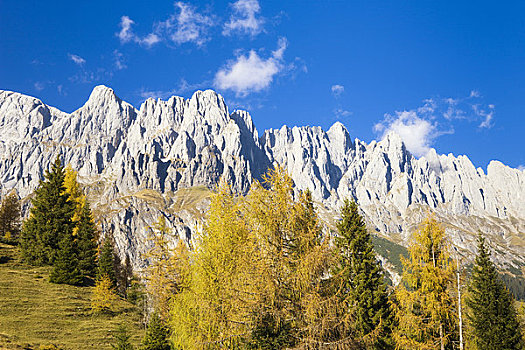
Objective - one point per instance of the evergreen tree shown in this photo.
(363, 285)
(426, 312)
(50, 218)
(494, 324)
(86, 238)
(66, 265)
(157, 335)
(122, 339)
(106, 262)
(10, 217)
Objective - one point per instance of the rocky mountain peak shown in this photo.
(160, 160)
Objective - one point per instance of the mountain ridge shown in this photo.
(167, 146)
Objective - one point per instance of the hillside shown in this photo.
(34, 312)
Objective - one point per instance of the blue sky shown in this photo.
(447, 74)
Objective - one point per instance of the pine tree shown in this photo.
(50, 218)
(106, 262)
(10, 217)
(122, 339)
(363, 285)
(157, 335)
(87, 245)
(66, 265)
(494, 324)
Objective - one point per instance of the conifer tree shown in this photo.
(66, 265)
(87, 245)
(425, 307)
(122, 339)
(10, 216)
(103, 295)
(363, 285)
(494, 324)
(50, 218)
(164, 274)
(157, 335)
(76, 195)
(106, 262)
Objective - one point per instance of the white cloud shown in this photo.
(417, 133)
(119, 60)
(183, 87)
(77, 59)
(420, 127)
(474, 93)
(521, 167)
(486, 114)
(244, 19)
(337, 90)
(126, 34)
(60, 90)
(186, 26)
(39, 86)
(341, 113)
(251, 73)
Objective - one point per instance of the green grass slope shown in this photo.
(34, 312)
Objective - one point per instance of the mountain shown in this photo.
(164, 158)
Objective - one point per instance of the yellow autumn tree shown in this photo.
(103, 296)
(425, 308)
(168, 266)
(215, 308)
(259, 275)
(76, 194)
(299, 305)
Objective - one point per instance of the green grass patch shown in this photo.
(391, 251)
(34, 312)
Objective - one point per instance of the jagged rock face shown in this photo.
(159, 160)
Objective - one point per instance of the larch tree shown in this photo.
(104, 295)
(50, 218)
(166, 270)
(10, 216)
(213, 308)
(76, 195)
(425, 308)
(493, 320)
(363, 288)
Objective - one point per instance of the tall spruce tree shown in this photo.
(362, 279)
(66, 268)
(493, 320)
(50, 218)
(106, 262)
(157, 335)
(87, 245)
(122, 339)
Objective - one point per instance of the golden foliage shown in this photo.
(168, 268)
(76, 194)
(425, 307)
(260, 255)
(103, 295)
